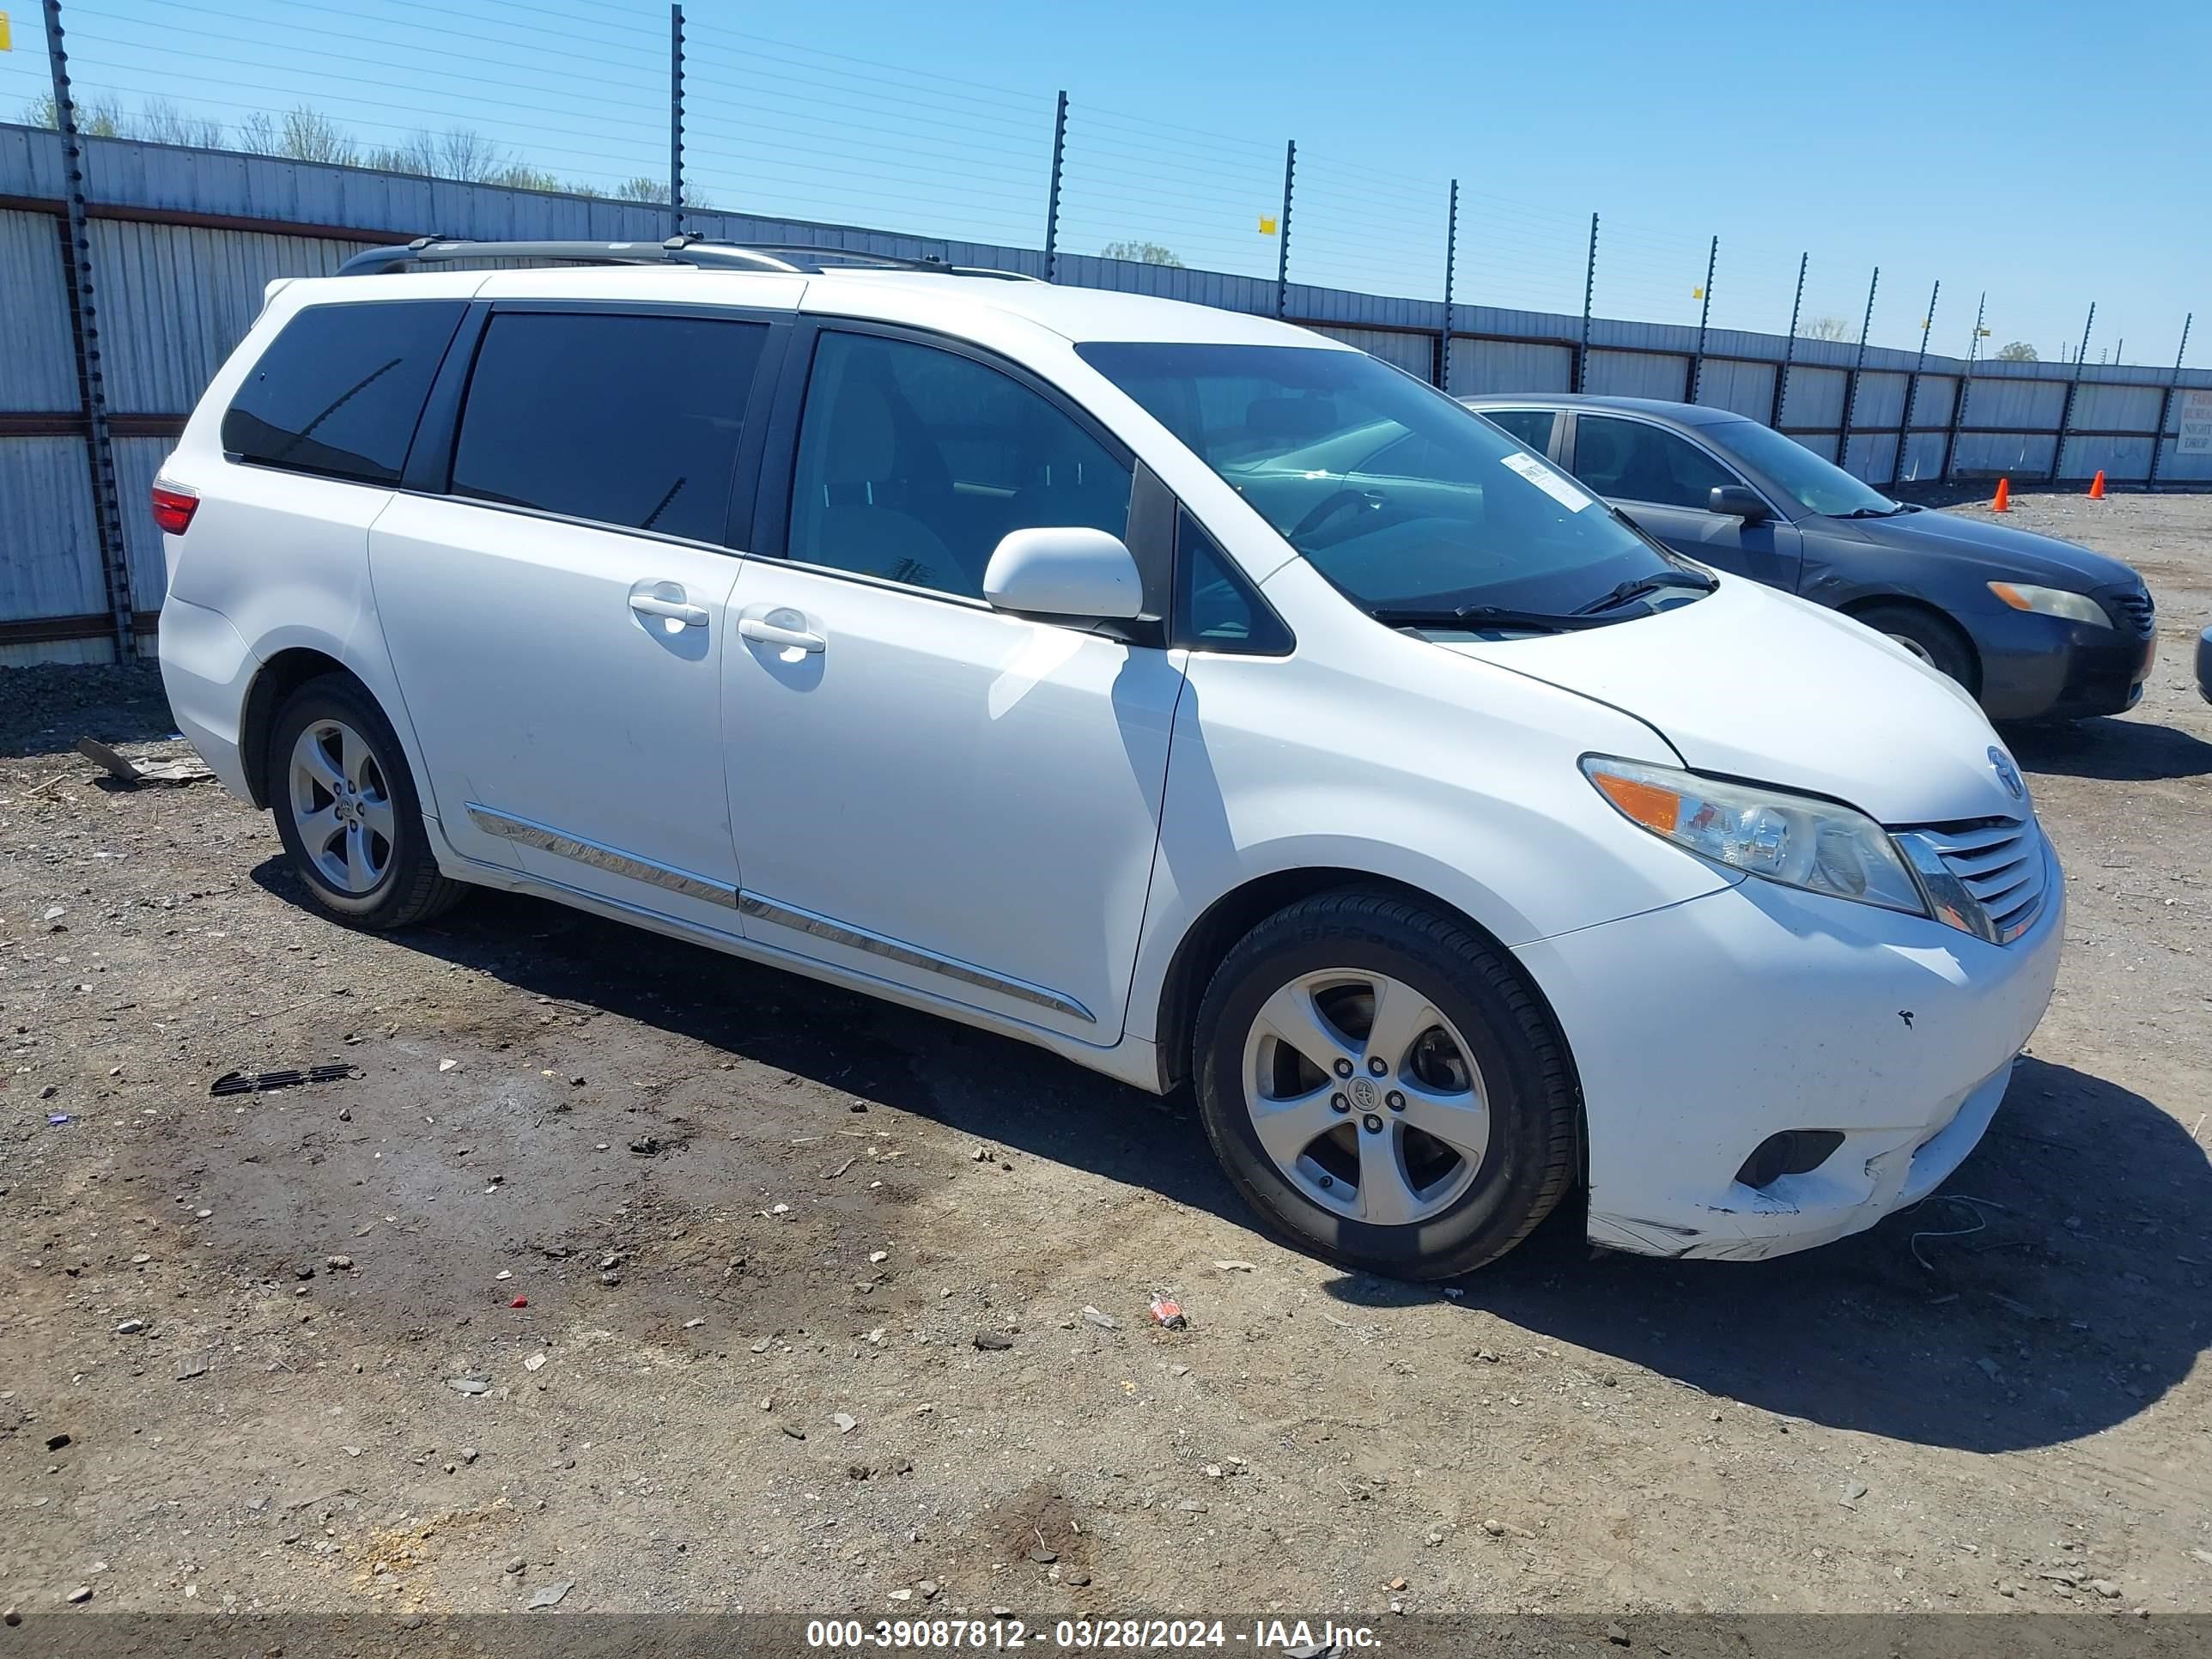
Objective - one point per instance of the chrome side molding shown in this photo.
(526, 834)
(806, 921)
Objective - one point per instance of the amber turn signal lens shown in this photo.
(1647, 803)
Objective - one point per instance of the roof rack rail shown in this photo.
(686, 250)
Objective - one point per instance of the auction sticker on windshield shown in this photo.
(1560, 489)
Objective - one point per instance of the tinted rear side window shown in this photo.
(1533, 427)
(340, 389)
(623, 420)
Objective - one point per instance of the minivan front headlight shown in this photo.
(1795, 840)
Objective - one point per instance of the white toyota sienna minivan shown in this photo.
(1185, 692)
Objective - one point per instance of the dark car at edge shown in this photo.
(2034, 627)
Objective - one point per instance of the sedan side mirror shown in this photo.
(1068, 571)
(1735, 501)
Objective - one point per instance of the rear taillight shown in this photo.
(173, 508)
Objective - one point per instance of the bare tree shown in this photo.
(301, 134)
(257, 134)
(162, 122)
(2017, 352)
(1829, 328)
(1143, 253)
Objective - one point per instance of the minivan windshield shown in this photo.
(1817, 486)
(1409, 503)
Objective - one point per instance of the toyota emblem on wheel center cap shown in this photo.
(2008, 773)
(1366, 1095)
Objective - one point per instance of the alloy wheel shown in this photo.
(341, 806)
(1365, 1096)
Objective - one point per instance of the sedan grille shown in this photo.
(2132, 611)
(1999, 863)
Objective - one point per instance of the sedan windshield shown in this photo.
(1412, 506)
(1819, 486)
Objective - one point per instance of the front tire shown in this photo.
(1383, 1086)
(1926, 636)
(347, 811)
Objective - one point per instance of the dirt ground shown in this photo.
(623, 1267)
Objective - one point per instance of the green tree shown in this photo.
(2017, 352)
(101, 119)
(1143, 254)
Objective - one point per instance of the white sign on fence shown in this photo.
(2196, 423)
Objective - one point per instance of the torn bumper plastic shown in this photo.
(1700, 1029)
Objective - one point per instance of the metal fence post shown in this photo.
(1912, 385)
(1966, 386)
(2073, 385)
(1704, 313)
(1052, 198)
(1851, 384)
(675, 121)
(84, 317)
(1589, 288)
(1283, 230)
(2166, 403)
(1789, 345)
(1451, 256)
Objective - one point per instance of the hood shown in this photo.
(2004, 553)
(1751, 683)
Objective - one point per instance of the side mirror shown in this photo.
(1065, 571)
(1735, 501)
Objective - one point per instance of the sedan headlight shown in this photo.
(2052, 602)
(1795, 840)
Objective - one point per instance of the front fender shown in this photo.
(1464, 786)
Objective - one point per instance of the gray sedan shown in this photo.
(2033, 626)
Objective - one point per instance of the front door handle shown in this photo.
(768, 633)
(652, 604)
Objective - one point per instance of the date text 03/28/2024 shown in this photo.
(1293, 1639)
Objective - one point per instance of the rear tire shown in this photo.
(1383, 1086)
(1935, 642)
(347, 811)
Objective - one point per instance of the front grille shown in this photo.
(2132, 611)
(2001, 863)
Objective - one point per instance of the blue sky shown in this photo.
(2052, 155)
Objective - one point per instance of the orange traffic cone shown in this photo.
(2097, 486)
(2003, 503)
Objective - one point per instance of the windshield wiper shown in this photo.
(1637, 587)
(1478, 616)
(1889, 511)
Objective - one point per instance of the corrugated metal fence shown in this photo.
(183, 241)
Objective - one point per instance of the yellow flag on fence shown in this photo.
(1267, 226)
(6, 45)
(1697, 293)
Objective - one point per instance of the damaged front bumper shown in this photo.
(1701, 1029)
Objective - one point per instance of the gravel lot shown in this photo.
(626, 1267)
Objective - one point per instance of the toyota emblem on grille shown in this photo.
(2008, 773)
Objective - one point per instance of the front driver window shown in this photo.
(913, 462)
(1632, 461)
